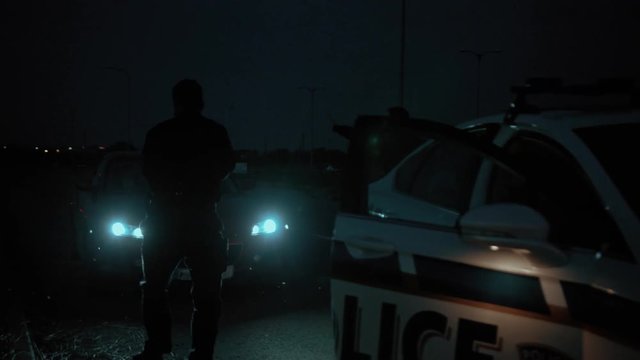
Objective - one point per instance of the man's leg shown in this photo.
(204, 263)
(158, 263)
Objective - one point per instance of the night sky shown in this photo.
(253, 56)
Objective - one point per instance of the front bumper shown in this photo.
(117, 255)
(123, 256)
(264, 252)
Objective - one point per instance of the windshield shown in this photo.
(614, 147)
(125, 175)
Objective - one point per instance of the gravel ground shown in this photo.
(259, 322)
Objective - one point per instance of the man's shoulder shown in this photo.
(178, 125)
(212, 124)
(162, 126)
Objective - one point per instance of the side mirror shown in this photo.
(514, 227)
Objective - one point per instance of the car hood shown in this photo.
(125, 208)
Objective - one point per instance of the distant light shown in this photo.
(138, 233)
(46, 151)
(57, 150)
(118, 229)
(4, 147)
(101, 147)
(598, 255)
(90, 231)
(286, 226)
(270, 226)
(255, 230)
(70, 148)
(37, 148)
(494, 248)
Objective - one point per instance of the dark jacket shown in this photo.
(186, 158)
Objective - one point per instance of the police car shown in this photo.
(514, 236)
(111, 208)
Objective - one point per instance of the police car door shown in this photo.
(404, 283)
(586, 296)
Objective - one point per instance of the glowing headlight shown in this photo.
(269, 226)
(118, 229)
(137, 233)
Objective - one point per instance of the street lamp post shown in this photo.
(128, 77)
(402, 49)
(479, 55)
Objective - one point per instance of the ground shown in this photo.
(266, 320)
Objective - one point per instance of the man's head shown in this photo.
(187, 97)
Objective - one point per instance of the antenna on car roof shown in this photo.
(555, 86)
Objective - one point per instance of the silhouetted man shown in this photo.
(185, 159)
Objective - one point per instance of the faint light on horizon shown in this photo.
(45, 150)
(70, 148)
(494, 248)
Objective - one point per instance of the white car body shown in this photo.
(414, 280)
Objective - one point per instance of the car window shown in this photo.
(559, 189)
(125, 175)
(612, 145)
(443, 173)
(387, 148)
